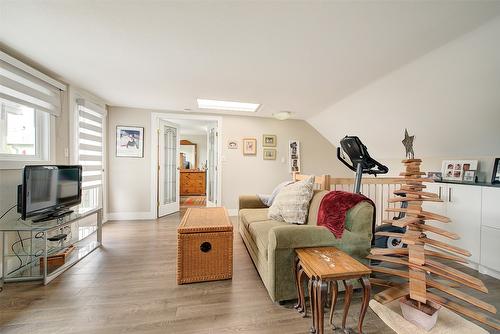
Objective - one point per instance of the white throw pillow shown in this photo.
(292, 202)
(269, 199)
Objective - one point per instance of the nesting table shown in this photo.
(322, 268)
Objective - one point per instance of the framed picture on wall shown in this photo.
(249, 146)
(269, 140)
(294, 155)
(269, 154)
(129, 141)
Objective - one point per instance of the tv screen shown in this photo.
(49, 188)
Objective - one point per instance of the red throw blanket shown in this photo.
(334, 207)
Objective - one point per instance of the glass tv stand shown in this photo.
(27, 245)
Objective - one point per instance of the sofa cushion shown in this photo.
(259, 231)
(292, 203)
(249, 216)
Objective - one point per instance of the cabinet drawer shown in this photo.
(490, 248)
(491, 207)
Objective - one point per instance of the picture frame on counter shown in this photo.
(436, 176)
(469, 176)
(495, 178)
(453, 170)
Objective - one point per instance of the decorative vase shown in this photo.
(425, 317)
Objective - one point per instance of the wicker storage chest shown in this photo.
(204, 246)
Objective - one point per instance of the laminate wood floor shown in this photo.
(128, 286)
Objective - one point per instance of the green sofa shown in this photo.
(271, 243)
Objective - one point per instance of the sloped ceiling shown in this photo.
(449, 99)
(296, 56)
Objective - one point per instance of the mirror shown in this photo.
(188, 152)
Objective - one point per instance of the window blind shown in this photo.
(24, 88)
(90, 142)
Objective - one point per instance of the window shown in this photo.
(28, 99)
(89, 120)
(24, 132)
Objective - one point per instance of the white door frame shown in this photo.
(155, 118)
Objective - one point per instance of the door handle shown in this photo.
(439, 195)
(449, 194)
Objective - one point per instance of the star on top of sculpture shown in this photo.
(408, 143)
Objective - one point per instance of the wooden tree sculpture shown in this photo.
(421, 261)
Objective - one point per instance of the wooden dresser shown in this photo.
(193, 182)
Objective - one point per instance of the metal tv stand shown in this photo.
(26, 244)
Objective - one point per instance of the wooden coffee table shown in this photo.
(324, 267)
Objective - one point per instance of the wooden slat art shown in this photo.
(418, 261)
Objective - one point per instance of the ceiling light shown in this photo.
(227, 105)
(282, 115)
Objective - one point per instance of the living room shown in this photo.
(173, 166)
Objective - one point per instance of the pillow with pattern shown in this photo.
(292, 202)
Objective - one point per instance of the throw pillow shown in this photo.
(292, 202)
(269, 199)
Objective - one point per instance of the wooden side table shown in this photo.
(324, 267)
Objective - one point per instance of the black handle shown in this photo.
(205, 247)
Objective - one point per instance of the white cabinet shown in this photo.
(462, 204)
(490, 231)
(491, 207)
(463, 207)
(490, 248)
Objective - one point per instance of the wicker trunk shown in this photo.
(204, 246)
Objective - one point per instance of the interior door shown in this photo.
(168, 168)
(212, 167)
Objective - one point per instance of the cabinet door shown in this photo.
(490, 248)
(436, 207)
(463, 207)
(491, 207)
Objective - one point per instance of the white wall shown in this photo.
(448, 98)
(201, 146)
(129, 179)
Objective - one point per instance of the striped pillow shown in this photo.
(292, 202)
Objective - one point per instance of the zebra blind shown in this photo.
(90, 139)
(24, 88)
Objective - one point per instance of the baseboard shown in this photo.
(489, 272)
(145, 215)
(232, 212)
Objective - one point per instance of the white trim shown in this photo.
(28, 69)
(232, 212)
(155, 117)
(144, 215)
(490, 272)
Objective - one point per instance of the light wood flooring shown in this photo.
(128, 286)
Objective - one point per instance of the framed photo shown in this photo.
(294, 155)
(269, 140)
(436, 176)
(232, 145)
(453, 170)
(249, 146)
(269, 154)
(469, 176)
(495, 178)
(129, 141)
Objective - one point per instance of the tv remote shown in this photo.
(58, 237)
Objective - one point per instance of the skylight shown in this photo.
(227, 105)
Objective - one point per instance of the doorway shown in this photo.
(187, 159)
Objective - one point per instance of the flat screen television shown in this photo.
(48, 192)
